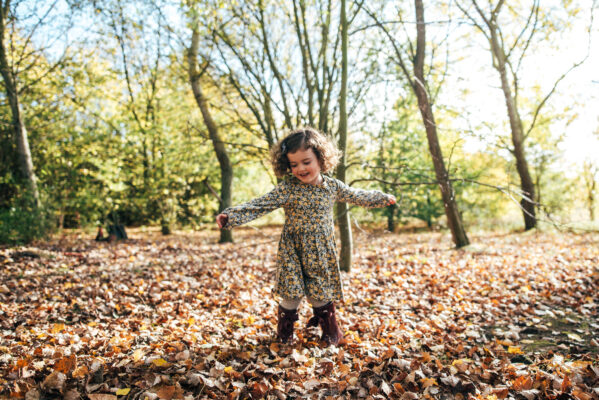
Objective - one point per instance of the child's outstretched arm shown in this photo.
(243, 213)
(364, 198)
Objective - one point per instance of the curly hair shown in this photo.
(304, 138)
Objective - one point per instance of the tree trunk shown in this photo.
(24, 159)
(391, 217)
(592, 202)
(345, 257)
(221, 152)
(526, 183)
(454, 219)
(590, 178)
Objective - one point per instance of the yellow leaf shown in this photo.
(460, 361)
(123, 392)
(426, 382)
(228, 370)
(514, 350)
(57, 328)
(160, 362)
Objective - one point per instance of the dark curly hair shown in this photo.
(304, 138)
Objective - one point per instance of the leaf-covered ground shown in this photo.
(514, 316)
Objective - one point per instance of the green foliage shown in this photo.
(23, 222)
(133, 145)
(403, 163)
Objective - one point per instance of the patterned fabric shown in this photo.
(307, 256)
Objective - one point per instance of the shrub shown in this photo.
(23, 223)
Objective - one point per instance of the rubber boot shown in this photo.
(325, 317)
(285, 325)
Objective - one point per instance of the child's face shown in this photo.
(305, 166)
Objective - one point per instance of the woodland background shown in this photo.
(162, 112)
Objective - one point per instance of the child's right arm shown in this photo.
(243, 213)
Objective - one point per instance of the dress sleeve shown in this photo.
(360, 197)
(258, 207)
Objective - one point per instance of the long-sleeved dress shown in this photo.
(307, 256)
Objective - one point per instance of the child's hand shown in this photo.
(392, 200)
(221, 220)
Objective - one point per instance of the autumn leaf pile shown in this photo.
(514, 316)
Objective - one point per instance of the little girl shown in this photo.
(307, 256)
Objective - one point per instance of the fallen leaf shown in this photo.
(72, 394)
(101, 396)
(55, 381)
(514, 350)
(66, 364)
(32, 394)
(311, 384)
(574, 336)
(80, 372)
(427, 382)
(160, 362)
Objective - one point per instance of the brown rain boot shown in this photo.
(285, 325)
(325, 317)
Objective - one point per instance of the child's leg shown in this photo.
(317, 303)
(287, 315)
(290, 304)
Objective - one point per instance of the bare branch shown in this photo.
(396, 48)
(553, 89)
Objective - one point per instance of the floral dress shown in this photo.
(307, 256)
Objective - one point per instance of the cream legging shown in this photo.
(292, 304)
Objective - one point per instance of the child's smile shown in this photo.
(305, 166)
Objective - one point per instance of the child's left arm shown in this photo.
(364, 198)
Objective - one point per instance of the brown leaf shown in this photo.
(72, 394)
(102, 396)
(66, 364)
(530, 394)
(258, 389)
(580, 395)
(167, 392)
(55, 381)
(409, 396)
(80, 372)
(32, 394)
(398, 388)
(523, 382)
(566, 384)
(501, 392)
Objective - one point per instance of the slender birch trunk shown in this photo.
(226, 169)
(454, 219)
(345, 257)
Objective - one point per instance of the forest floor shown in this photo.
(513, 316)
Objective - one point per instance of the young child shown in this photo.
(307, 256)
